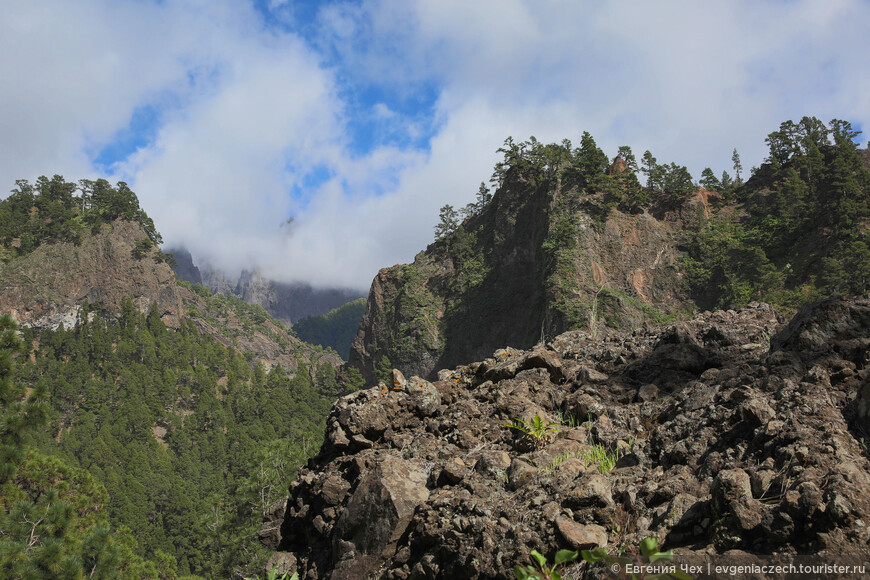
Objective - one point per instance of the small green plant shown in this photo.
(506, 476)
(545, 572)
(566, 420)
(273, 575)
(602, 456)
(539, 432)
(555, 463)
(647, 555)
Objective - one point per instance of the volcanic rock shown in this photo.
(739, 448)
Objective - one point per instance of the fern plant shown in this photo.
(539, 432)
(273, 575)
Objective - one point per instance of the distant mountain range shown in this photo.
(286, 302)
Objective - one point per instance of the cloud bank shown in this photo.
(361, 119)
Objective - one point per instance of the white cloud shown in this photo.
(249, 109)
(382, 111)
(235, 155)
(688, 80)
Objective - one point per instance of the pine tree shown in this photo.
(483, 197)
(591, 161)
(448, 224)
(625, 153)
(709, 180)
(636, 197)
(677, 181)
(652, 170)
(735, 159)
(384, 369)
(352, 380)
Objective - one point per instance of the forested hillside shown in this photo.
(141, 450)
(796, 231)
(190, 442)
(335, 329)
(50, 211)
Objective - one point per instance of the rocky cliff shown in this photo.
(572, 241)
(47, 287)
(538, 260)
(730, 433)
(184, 267)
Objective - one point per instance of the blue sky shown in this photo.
(362, 118)
(139, 132)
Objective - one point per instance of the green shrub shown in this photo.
(273, 575)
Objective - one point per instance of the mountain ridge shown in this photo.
(572, 240)
(288, 302)
(536, 268)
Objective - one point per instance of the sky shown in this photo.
(316, 141)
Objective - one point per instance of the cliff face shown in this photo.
(185, 269)
(730, 432)
(215, 280)
(531, 265)
(47, 287)
(562, 246)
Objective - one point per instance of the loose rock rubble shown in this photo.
(734, 434)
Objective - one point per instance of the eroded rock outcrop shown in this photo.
(729, 432)
(534, 263)
(48, 286)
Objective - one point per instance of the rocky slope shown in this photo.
(48, 286)
(534, 263)
(735, 434)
